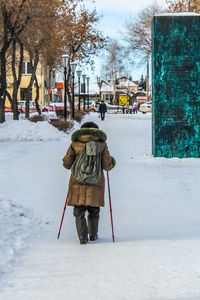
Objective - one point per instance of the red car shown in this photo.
(55, 106)
(93, 106)
(8, 109)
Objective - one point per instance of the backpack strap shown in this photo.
(92, 148)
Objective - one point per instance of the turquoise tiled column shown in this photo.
(176, 85)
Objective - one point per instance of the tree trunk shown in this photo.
(4, 48)
(2, 112)
(9, 98)
(17, 78)
(3, 83)
(15, 89)
(37, 97)
(27, 107)
(33, 76)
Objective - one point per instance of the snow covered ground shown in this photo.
(156, 209)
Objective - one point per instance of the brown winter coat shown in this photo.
(84, 194)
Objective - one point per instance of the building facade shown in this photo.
(43, 78)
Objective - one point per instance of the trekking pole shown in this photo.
(63, 216)
(110, 208)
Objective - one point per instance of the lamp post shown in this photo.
(65, 60)
(84, 77)
(79, 72)
(73, 67)
(99, 84)
(88, 79)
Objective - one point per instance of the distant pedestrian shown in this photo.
(85, 193)
(135, 107)
(102, 110)
(127, 107)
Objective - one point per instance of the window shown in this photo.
(21, 103)
(29, 69)
(24, 94)
(26, 68)
(23, 68)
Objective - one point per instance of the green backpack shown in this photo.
(87, 167)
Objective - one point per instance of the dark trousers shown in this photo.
(102, 115)
(84, 228)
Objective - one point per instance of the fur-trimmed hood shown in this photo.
(97, 133)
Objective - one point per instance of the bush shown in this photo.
(78, 115)
(37, 118)
(61, 124)
(60, 113)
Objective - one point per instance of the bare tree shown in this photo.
(137, 35)
(113, 60)
(137, 32)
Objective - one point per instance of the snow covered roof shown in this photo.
(105, 87)
(124, 82)
(177, 14)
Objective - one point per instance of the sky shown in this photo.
(114, 14)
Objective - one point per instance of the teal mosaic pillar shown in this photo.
(176, 85)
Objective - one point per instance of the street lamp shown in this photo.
(99, 84)
(73, 67)
(79, 72)
(84, 77)
(88, 79)
(65, 60)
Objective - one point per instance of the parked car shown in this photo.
(146, 107)
(45, 108)
(60, 105)
(22, 106)
(8, 109)
(93, 105)
(32, 107)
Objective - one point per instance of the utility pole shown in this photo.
(147, 82)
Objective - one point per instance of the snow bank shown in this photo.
(25, 130)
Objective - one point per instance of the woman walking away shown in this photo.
(102, 110)
(87, 157)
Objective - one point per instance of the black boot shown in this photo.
(83, 240)
(93, 237)
(93, 221)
